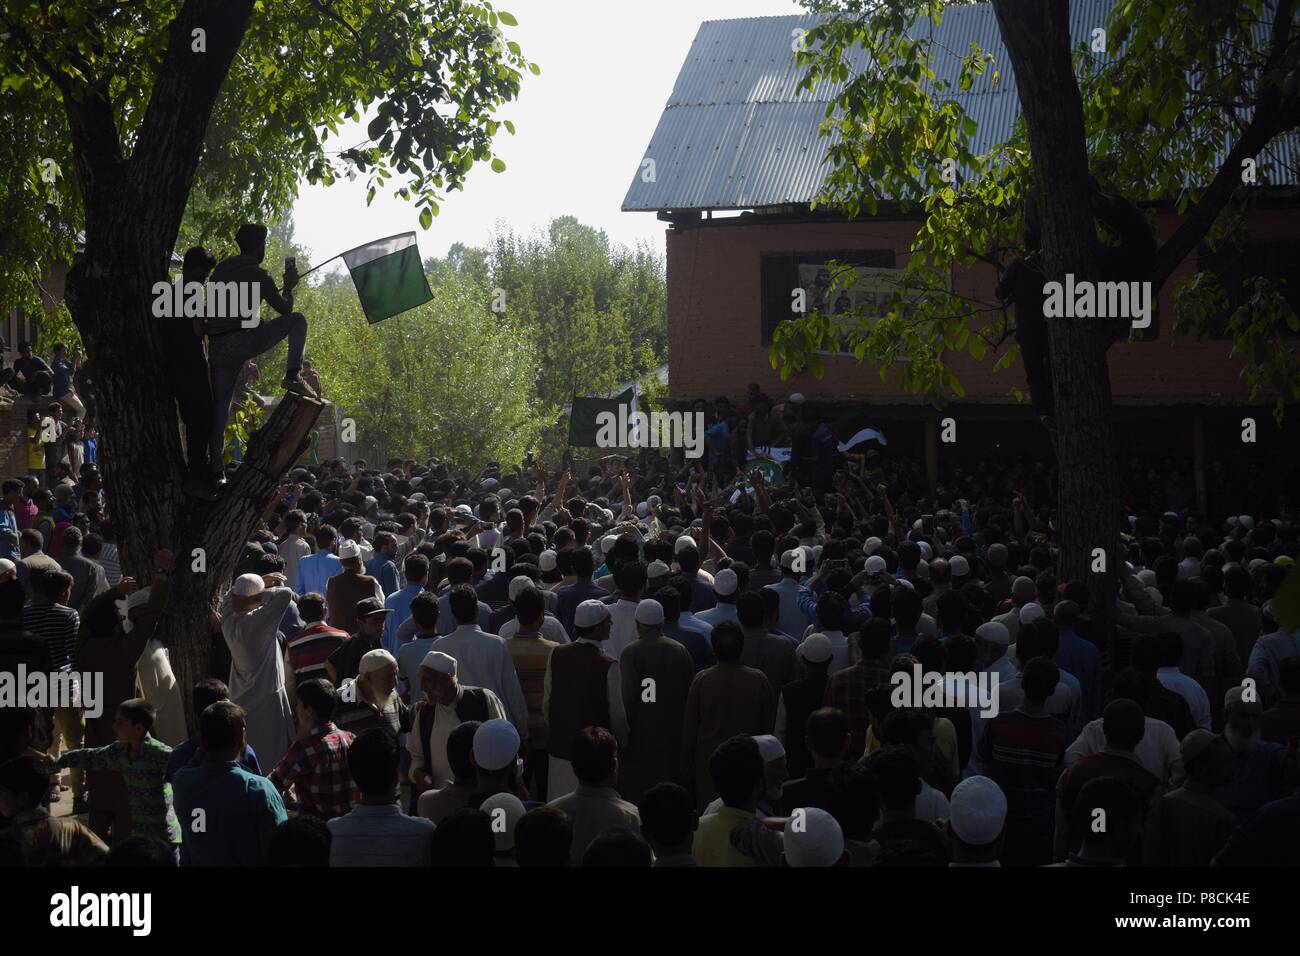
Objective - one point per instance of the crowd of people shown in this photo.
(655, 663)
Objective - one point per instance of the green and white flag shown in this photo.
(389, 276)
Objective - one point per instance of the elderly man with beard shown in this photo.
(448, 703)
(371, 698)
(1258, 770)
(250, 618)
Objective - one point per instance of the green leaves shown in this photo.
(498, 165)
(426, 218)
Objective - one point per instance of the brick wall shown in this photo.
(715, 322)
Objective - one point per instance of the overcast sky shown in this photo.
(582, 127)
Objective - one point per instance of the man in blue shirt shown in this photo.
(63, 372)
(190, 753)
(416, 568)
(227, 814)
(381, 566)
(315, 570)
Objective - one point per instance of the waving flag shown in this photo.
(389, 276)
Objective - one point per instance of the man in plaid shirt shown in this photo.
(316, 764)
(848, 688)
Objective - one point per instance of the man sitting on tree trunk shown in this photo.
(231, 344)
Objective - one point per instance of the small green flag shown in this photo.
(583, 415)
(389, 276)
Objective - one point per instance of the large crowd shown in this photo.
(650, 660)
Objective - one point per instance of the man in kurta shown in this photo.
(250, 618)
(657, 674)
(725, 700)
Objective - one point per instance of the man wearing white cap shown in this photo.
(250, 622)
(504, 810)
(631, 581)
(799, 698)
(350, 585)
(977, 816)
(549, 626)
(726, 585)
(793, 620)
(656, 677)
(1023, 592)
(813, 837)
(991, 642)
(583, 689)
(496, 761)
(447, 704)
(371, 699)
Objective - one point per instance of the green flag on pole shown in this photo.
(389, 276)
(582, 417)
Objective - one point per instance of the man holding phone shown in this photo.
(231, 342)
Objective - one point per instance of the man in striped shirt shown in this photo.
(56, 624)
(531, 653)
(312, 646)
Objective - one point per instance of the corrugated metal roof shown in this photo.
(737, 134)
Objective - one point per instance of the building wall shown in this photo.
(715, 322)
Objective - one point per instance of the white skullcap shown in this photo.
(816, 648)
(926, 627)
(907, 584)
(649, 612)
(1247, 522)
(1033, 611)
(917, 525)
(464, 509)
(959, 566)
(683, 543)
(440, 662)
(376, 660)
(546, 560)
(812, 837)
(246, 585)
(141, 597)
(657, 569)
(7, 567)
(875, 564)
(1023, 589)
(504, 810)
(787, 559)
(927, 552)
(994, 633)
(607, 545)
(496, 744)
(349, 549)
(725, 582)
(871, 544)
(770, 747)
(590, 613)
(796, 398)
(517, 585)
(643, 509)
(977, 811)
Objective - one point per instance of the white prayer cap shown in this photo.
(926, 627)
(141, 597)
(816, 648)
(1256, 563)
(959, 566)
(917, 525)
(517, 585)
(376, 660)
(496, 744)
(1033, 611)
(770, 747)
(927, 552)
(1023, 589)
(907, 584)
(922, 571)
(875, 564)
(725, 582)
(977, 811)
(1247, 522)
(371, 502)
(994, 633)
(649, 612)
(812, 837)
(683, 543)
(546, 560)
(440, 662)
(246, 585)
(349, 549)
(607, 545)
(796, 398)
(418, 496)
(590, 613)
(504, 810)
(7, 567)
(657, 569)
(871, 544)
(643, 509)
(788, 559)
(465, 509)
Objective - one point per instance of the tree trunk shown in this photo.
(1036, 34)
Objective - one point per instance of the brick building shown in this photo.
(737, 162)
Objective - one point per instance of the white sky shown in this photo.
(582, 126)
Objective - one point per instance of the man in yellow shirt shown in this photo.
(737, 771)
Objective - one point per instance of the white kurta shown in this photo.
(257, 674)
(160, 689)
